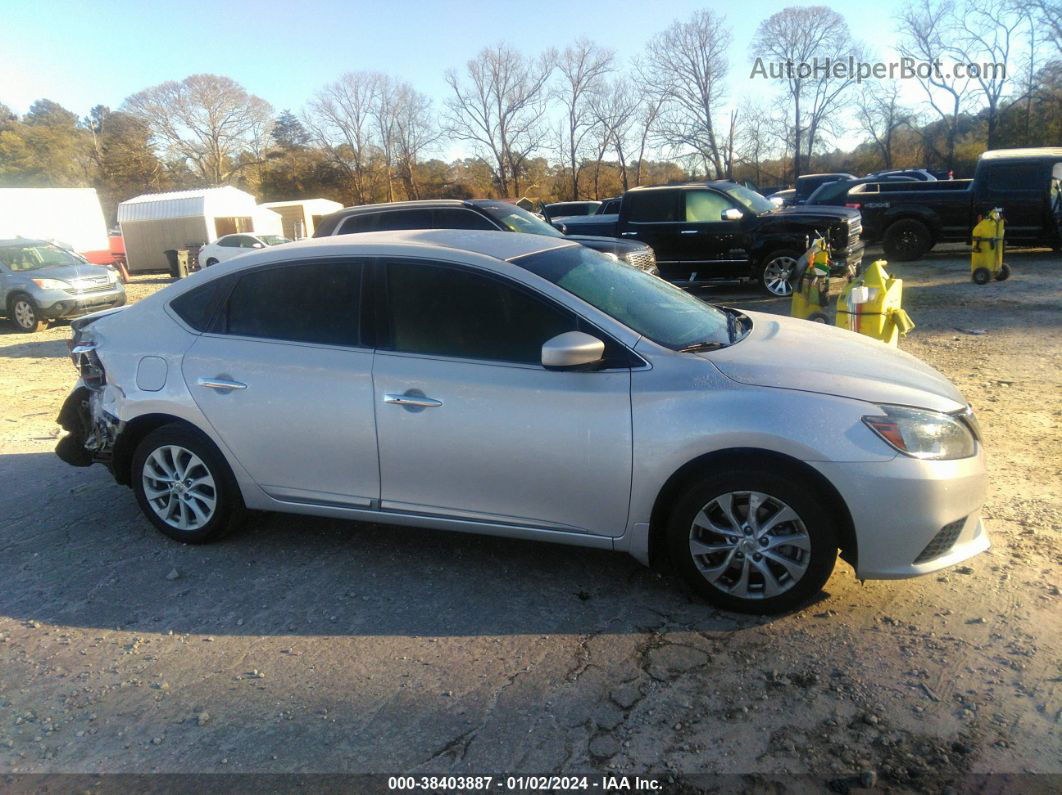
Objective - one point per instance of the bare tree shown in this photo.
(582, 68)
(415, 132)
(342, 120)
(1048, 14)
(986, 35)
(796, 40)
(926, 32)
(208, 121)
(497, 106)
(685, 68)
(880, 114)
(757, 138)
(614, 111)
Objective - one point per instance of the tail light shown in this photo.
(854, 205)
(86, 360)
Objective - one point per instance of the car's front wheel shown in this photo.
(779, 273)
(184, 486)
(753, 540)
(25, 315)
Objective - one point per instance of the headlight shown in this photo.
(611, 256)
(923, 434)
(51, 284)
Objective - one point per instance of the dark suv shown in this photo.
(481, 214)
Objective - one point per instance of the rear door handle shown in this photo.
(220, 384)
(687, 231)
(412, 400)
(628, 234)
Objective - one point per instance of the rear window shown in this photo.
(366, 222)
(652, 206)
(1006, 178)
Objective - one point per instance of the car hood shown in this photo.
(790, 353)
(602, 243)
(75, 274)
(815, 210)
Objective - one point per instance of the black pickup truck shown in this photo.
(910, 218)
(703, 231)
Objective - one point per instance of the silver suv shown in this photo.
(528, 387)
(39, 281)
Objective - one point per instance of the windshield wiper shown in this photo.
(698, 347)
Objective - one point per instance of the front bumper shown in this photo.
(912, 517)
(59, 304)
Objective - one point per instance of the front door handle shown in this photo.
(221, 384)
(628, 234)
(688, 232)
(419, 401)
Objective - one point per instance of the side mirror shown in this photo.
(257, 245)
(564, 229)
(570, 350)
(733, 214)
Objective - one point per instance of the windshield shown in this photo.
(517, 219)
(644, 303)
(37, 256)
(749, 199)
(273, 240)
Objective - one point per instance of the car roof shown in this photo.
(499, 245)
(1024, 154)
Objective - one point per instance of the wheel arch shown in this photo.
(732, 458)
(135, 430)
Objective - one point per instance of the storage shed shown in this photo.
(301, 216)
(68, 215)
(155, 222)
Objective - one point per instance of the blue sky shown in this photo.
(85, 53)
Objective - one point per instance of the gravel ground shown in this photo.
(308, 645)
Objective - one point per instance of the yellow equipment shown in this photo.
(811, 292)
(871, 304)
(986, 258)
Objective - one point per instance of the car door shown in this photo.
(710, 245)
(285, 378)
(470, 424)
(226, 247)
(1020, 189)
(654, 217)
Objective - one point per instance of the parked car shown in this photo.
(526, 387)
(611, 205)
(835, 193)
(551, 211)
(476, 214)
(910, 218)
(919, 174)
(703, 231)
(229, 246)
(806, 184)
(40, 281)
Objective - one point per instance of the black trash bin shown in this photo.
(171, 257)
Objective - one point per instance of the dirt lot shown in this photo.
(307, 645)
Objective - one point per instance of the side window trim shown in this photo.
(383, 330)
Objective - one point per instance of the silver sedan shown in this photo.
(532, 388)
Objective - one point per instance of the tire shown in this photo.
(211, 261)
(906, 240)
(1004, 273)
(186, 514)
(982, 276)
(727, 573)
(778, 272)
(25, 315)
(818, 317)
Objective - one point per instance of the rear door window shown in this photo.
(652, 206)
(394, 220)
(1010, 178)
(363, 222)
(453, 218)
(314, 302)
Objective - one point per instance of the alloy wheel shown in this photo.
(179, 487)
(750, 545)
(25, 314)
(777, 276)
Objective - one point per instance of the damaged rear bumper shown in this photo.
(92, 431)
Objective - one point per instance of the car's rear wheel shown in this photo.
(779, 273)
(752, 540)
(906, 240)
(25, 315)
(184, 486)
